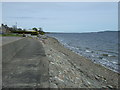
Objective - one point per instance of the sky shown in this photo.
(62, 16)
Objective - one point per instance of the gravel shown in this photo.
(64, 72)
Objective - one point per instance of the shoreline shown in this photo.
(89, 58)
(84, 56)
(89, 74)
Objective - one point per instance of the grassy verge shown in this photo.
(11, 35)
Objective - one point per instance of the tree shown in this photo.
(11, 29)
(24, 29)
(19, 29)
(41, 31)
(35, 29)
(2, 24)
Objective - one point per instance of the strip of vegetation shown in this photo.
(18, 35)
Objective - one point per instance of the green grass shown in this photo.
(104, 54)
(11, 35)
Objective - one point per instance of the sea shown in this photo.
(100, 47)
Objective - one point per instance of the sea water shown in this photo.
(100, 47)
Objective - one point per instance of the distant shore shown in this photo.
(68, 69)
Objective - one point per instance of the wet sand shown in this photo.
(70, 70)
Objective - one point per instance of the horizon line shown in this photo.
(85, 32)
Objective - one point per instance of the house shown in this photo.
(4, 29)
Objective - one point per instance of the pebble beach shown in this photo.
(70, 70)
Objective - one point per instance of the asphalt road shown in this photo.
(6, 40)
(28, 68)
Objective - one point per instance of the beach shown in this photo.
(70, 70)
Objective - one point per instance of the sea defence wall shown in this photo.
(10, 49)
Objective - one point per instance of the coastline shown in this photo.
(70, 70)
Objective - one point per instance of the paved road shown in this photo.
(28, 68)
(6, 40)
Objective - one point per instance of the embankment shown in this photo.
(68, 69)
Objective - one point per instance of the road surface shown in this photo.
(6, 40)
(28, 68)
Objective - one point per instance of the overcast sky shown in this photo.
(62, 17)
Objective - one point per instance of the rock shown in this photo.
(109, 86)
(97, 77)
(104, 79)
(48, 54)
(104, 87)
(52, 85)
(100, 57)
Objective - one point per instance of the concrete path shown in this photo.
(28, 68)
(6, 40)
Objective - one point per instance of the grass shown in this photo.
(105, 55)
(14, 35)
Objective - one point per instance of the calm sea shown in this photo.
(100, 47)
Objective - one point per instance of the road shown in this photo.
(28, 68)
(6, 40)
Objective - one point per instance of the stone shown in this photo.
(109, 86)
(104, 87)
(97, 77)
(53, 85)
